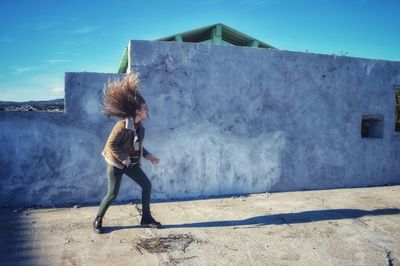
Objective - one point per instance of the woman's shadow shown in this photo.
(277, 219)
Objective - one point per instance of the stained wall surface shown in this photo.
(53, 159)
(229, 119)
(223, 120)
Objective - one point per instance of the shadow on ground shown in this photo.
(277, 219)
(16, 247)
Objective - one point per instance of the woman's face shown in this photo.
(143, 112)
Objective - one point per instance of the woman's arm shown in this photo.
(114, 140)
(148, 156)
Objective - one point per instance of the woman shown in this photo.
(124, 148)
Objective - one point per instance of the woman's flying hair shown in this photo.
(121, 98)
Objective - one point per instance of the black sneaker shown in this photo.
(98, 225)
(148, 220)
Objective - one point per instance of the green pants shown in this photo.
(114, 181)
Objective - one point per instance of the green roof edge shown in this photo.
(223, 27)
(123, 66)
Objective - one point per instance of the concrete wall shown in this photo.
(238, 120)
(223, 120)
(51, 159)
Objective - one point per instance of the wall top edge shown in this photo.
(333, 56)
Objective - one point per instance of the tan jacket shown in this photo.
(119, 146)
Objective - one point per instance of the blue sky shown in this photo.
(42, 39)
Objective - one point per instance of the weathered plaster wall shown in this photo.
(54, 158)
(223, 120)
(238, 120)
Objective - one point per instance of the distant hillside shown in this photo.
(56, 105)
(55, 101)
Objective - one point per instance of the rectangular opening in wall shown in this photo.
(397, 110)
(372, 126)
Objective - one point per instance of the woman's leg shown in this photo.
(114, 181)
(136, 174)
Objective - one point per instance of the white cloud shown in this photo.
(55, 61)
(23, 69)
(64, 53)
(85, 30)
(57, 90)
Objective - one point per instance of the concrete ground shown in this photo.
(330, 227)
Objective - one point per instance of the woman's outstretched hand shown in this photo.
(153, 159)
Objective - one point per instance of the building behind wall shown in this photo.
(216, 34)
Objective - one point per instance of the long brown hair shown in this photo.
(121, 98)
